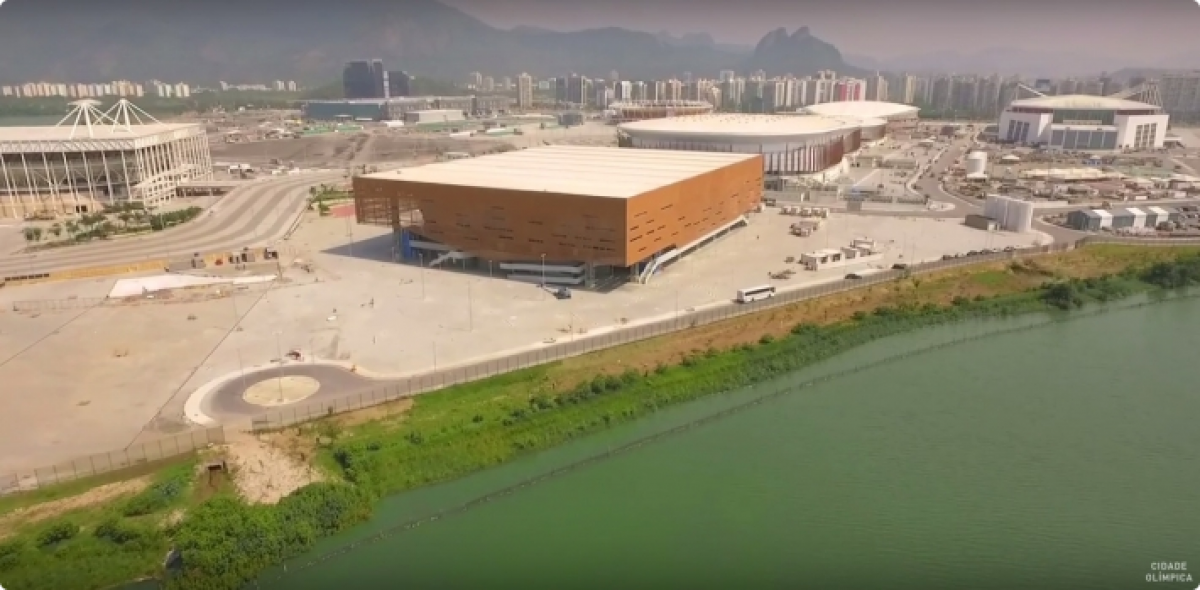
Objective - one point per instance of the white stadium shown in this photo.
(878, 118)
(640, 110)
(1083, 123)
(791, 145)
(93, 158)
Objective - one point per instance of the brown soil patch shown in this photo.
(263, 473)
(9, 523)
(300, 442)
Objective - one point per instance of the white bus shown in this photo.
(755, 293)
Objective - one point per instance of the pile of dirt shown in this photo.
(263, 473)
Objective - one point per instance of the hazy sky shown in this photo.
(1139, 30)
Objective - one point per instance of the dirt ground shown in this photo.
(263, 473)
(94, 497)
(336, 150)
(299, 443)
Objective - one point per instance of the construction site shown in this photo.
(1070, 177)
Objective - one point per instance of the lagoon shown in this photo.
(1059, 456)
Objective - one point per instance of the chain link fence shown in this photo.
(156, 450)
(36, 305)
(554, 351)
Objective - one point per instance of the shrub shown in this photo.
(10, 553)
(118, 532)
(157, 497)
(766, 339)
(57, 533)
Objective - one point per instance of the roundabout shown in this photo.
(250, 394)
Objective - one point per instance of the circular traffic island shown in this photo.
(281, 391)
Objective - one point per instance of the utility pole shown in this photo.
(279, 351)
(421, 258)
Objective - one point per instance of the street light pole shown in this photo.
(470, 309)
(279, 351)
(237, 319)
(421, 258)
(543, 271)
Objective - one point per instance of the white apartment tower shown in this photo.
(525, 91)
(877, 88)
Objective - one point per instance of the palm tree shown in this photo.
(72, 228)
(31, 234)
(56, 230)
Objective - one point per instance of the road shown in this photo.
(257, 214)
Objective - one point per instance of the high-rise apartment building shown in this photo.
(877, 88)
(525, 91)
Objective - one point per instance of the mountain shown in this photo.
(240, 41)
(799, 53)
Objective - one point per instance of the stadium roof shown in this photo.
(619, 173)
(1080, 101)
(739, 125)
(866, 109)
(99, 132)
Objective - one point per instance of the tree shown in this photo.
(72, 228)
(31, 234)
(56, 230)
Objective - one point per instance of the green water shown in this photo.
(1059, 457)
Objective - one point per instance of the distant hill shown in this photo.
(240, 41)
(798, 53)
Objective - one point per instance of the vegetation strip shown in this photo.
(224, 543)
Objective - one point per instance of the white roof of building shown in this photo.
(1080, 101)
(734, 125)
(574, 170)
(99, 132)
(863, 109)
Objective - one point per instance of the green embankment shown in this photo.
(223, 542)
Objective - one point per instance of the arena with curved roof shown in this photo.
(640, 110)
(789, 144)
(877, 118)
(1084, 123)
(865, 109)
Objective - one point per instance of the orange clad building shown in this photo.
(581, 212)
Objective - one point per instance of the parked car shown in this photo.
(562, 293)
